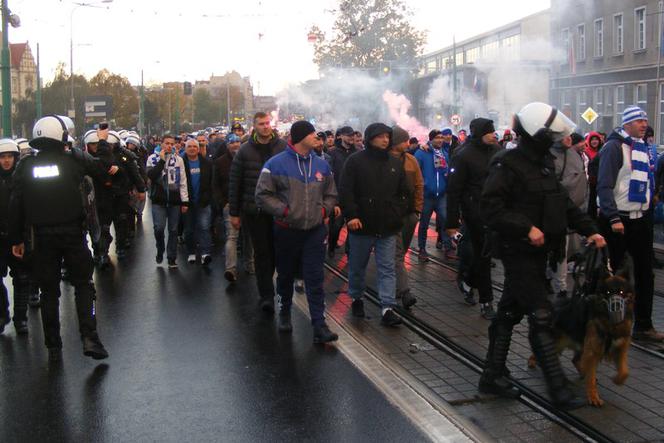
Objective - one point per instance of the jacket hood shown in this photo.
(375, 129)
(590, 136)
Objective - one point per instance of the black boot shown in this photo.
(544, 349)
(34, 300)
(284, 323)
(21, 297)
(322, 334)
(494, 378)
(92, 347)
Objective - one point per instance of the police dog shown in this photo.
(597, 327)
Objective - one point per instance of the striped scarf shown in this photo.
(641, 175)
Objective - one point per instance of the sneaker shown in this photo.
(562, 294)
(322, 334)
(357, 308)
(299, 285)
(487, 311)
(648, 335)
(408, 300)
(206, 259)
(121, 254)
(284, 322)
(422, 256)
(160, 258)
(467, 291)
(191, 259)
(230, 276)
(390, 319)
(172, 263)
(92, 347)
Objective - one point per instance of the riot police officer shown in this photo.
(9, 154)
(47, 197)
(529, 212)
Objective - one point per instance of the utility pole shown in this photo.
(6, 74)
(141, 109)
(39, 89)
(658, 124)
(228, 103)
(454, 76)
(177, 109)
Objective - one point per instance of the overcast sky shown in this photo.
(193, 39)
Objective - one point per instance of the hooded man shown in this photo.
(400, 143)
(374, 198)
(593, 145)
(470, 168)
(296, 187)
(625, 187)
(344, 148)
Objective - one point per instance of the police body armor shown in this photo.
(52, 193)
(539, 196)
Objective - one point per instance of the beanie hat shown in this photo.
(480, 127)
(576, 138)
(399, 135)
(633, 113)
(446, 131)
(375, 129)
(232, 138)
(413, 140)
(300, 130)
(345, 130)
(433, 133)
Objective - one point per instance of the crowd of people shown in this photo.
(278, 203)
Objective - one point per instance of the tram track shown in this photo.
(655, 352)
(529, 397)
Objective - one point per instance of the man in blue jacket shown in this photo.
(297, 188)
(434, 163)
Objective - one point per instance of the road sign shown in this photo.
(98, 106)
(589, 115)
(455, 119)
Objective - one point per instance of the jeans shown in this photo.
(358, 259)
(197, 229)
(160, 216)
(232, 235)
(431, 205)
(403, 243)
(261, 231)
(636, 241)
(305, 250)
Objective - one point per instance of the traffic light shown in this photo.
(187, 88)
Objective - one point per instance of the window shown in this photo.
(641, 95)
(490, 50)
(511, 47)
(459, 58)
(566, 101)
(599, 38)
(620, 103)
(472, 55)
(599, 101)
(581, 31)
(582, 100)
(431, 66)
(564, 40)
(640, 28)
(618, 34)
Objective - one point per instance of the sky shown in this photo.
(194, 39)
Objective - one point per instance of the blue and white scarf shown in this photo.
(641, 170)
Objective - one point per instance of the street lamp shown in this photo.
(7, 19)
(72, 112)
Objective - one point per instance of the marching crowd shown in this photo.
(279, 202)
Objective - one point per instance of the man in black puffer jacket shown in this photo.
(374, 197)
(470, 168)
(245, 169)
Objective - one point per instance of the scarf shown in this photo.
(641, 175)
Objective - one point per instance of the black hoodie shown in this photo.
(373, 187)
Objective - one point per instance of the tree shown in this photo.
(25, 115)
(56, 95)
(205, 111)
(124, 97)
(370, 34)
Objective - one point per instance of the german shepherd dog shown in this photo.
(597, 326)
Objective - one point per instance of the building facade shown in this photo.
(612, 57)
(492, 74)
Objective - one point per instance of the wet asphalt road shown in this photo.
(191, 360)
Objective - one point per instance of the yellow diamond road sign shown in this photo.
(589, 115)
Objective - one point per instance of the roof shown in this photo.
(16, 50)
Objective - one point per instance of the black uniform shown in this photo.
(470, 167)
(522, 191)
(19, 269)
(47, 197)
